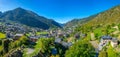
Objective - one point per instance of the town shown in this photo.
(59, 28)
(64, 37)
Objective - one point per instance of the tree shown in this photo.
(5, 44)
(111, 52)
(82, 48)
(0, 42)
(103, 54)
(43, 47)
(44, 44)
(119, 26)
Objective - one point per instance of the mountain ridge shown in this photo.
(28, 18)
(109, 16)
(79, 21)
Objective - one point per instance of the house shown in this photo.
(114, 42)
(77, 35)
(66, 35)
(9, 35)
(58, 40)
(17, 36)
(60, 34)
(33, 38)
(69, 44)
(65, 44)
(83, 35)
(106, 38)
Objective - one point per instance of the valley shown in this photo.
(23, 33)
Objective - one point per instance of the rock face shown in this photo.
(28, 18)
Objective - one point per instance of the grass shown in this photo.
(2, 35)
(111, 30)
(38, 33)
(28, 34)
(98, 31)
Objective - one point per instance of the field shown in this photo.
(2, 35)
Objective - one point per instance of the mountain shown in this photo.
(0, 13)
(79, 21)
(28, 18)
(110, 16)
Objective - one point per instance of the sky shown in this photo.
(61, 11)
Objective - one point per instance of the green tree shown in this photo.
(5, 44)
(43, 46)
(103, 54)
(111, 52)
(82, 48)
(119, 26)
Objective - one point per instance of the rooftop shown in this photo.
(106, 37)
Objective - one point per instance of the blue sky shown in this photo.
(60, 10)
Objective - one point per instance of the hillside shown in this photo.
(79, 21)
(0, 13)
(111, 16)
(28, 18)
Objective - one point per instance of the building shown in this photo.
(17, 36)
(33, 38)
(58, 40)
(114, 42)
(77, 35)
(106, 38)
